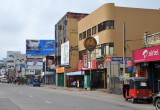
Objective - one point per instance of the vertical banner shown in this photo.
(85, 60)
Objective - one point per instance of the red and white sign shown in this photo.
(85, 60)
(93, 65)
(147, 54)
(129, 63)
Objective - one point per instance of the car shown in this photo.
(156, 101)
(4, 80)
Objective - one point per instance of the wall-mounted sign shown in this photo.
(100, 59)
(60, 70)
(65, 53)
(141, 73)
(129, 63)
(90, 43)
(85, 60)
(147, 54)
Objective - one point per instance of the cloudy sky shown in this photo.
(35, 19)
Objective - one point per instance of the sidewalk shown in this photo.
(99, 93)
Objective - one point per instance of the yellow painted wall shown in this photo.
(136, 20)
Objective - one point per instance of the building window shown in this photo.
(109, 24)
(89, 33)
(93, 30)
(101, 26)
(108, 49)
(106, 25)
(84, 34)
(80, 55)
(80, 36)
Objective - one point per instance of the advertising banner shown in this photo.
(34, 67)
(147, 54)
(49, 63)
(34, 63)
(11, 54)
(20, 59)
(10, 65)
(65, 53)
(40, 46)
(93, 65)
(85, 60)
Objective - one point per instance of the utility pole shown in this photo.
(131, 55)
(124, 49)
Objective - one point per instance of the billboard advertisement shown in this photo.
(49, 63)
(11, 54)
(40, 47)
(20, 59)
(10, 65)
(65, 53)
(34, 63)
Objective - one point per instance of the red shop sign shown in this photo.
(147, 54)
(93, 65)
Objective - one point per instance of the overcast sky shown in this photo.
(35, 19)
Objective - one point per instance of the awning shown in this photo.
(75, 73)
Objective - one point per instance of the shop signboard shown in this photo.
(65, 53)
(126, 75)
(42, 47)
(85, 60)
(60, 70)
(147, 54)
(141, 73)
(75, 73)
(120, 59)
(93, 65)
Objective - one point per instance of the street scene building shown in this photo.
(96, 60)
(147, 60)
(107, 29)
(66, 46)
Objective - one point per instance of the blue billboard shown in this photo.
(42, 47)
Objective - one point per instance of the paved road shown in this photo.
(22, 97)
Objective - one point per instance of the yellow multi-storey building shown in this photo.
(106, 25)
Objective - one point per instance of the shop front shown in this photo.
(75, 79)
(97, 73)
(50, 78)
(148, 61)
(60, 76)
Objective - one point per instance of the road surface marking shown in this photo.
(48, 102)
